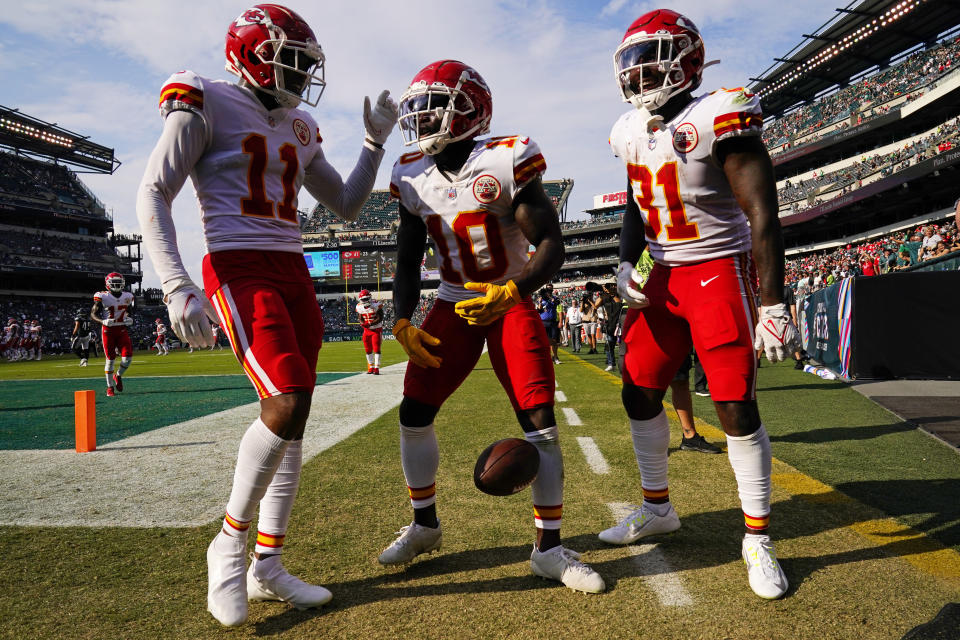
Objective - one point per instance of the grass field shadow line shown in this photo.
(834, 434)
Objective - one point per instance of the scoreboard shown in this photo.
(368, 265)
(362, 265)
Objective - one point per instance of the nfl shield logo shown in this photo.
(452, 193)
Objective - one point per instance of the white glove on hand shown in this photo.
(190, 315)
(108, 322)
(128, 321)
(627, 281)
(380, 120)
(776, 334)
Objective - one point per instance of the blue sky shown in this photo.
(96, 67)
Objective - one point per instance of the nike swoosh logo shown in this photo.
(704, 283)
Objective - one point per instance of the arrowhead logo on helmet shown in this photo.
(114, 282)
(272, 49)
(446, 101)
(660, 56)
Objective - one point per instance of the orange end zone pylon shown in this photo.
(85, 419)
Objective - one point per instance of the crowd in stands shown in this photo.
(56, 317)
(884, 254)
(55, 185)
(20, 247)
(803, 193)
(865, 98)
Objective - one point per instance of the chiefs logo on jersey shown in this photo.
(486, 189)
(685, 138)
(302, 131)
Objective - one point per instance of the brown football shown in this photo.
(506, 467)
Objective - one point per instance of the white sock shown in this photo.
(369, 359)
(376, 360)
(124, 365)
(108, 373)
(277, 502)
(750, 459)
(260, 454)
(651, 441)
(547, 488)
(420, 458)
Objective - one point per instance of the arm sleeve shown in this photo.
(343, 198)
(181, 144)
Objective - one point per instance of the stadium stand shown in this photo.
(56, 236)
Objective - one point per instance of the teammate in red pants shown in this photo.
(371, 318)
(701, 193)
(111, 308)
(483, 203)
(248, 147)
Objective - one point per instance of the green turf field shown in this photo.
(866, 516)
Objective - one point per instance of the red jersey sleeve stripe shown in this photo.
(739, 121)
(527, 169)
(182, 93)
(394, 191)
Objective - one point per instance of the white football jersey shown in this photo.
(161, 330)
(259, 154)
(470, 218)
(689, 211)
(114, 306)
(367, 312)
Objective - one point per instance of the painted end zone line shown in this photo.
(559, 396)
(598, 464)
(654, 569)
(177, 476)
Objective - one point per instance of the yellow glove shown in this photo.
(413, 340)
(489, 308)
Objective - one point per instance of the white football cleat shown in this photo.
(226, 587)
(563, 565)
(641, 523)
(766, 577)
(267, 579)
(414, 539)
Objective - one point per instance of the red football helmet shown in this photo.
(114, 283)
(158, 321)
(365, 296)
(446, 101)
(658, 44)
(272, 49)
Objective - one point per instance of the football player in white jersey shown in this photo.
(36, 340)
(371, 319)
(111, 308)
(249, 148)
(161, 344)
(701, 194)
(483, 203)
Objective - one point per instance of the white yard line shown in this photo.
(177, 476)
(596, 461)
(559, 396)
(572, 418)
(653, 567)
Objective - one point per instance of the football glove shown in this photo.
(413, 341)
(109, 322)
(128, 321)
(776, 334)
(489, 308)
(628, 280)
(379, 120)
(191, 314)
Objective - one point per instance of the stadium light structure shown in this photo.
(21, 133)
(835, 47)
